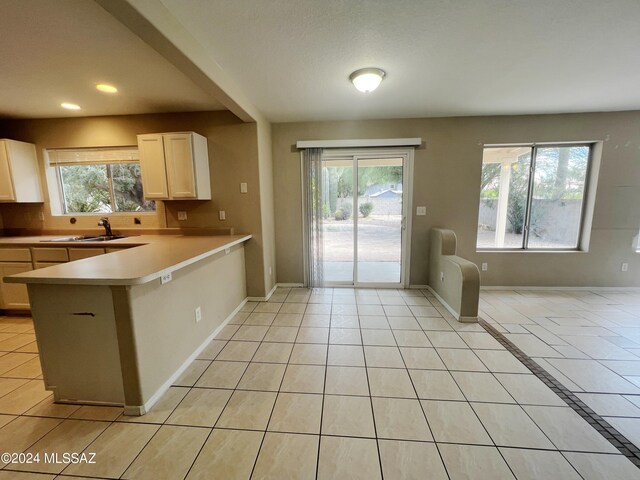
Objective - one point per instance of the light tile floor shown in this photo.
(588, 340)
(344, 383)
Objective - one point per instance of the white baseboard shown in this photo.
(142, 409)
(290, 285)
(265, 298)
(419, 287)
(563, 288)
(451, 310)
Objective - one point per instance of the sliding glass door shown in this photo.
(364, 208)
(338, 227)
(380, 220)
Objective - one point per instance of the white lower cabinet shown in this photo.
(13, 295)
(14, 260)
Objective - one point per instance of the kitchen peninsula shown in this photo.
(118, 329)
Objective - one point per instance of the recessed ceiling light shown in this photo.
(103, 87)
(367, 79)
(70, 106)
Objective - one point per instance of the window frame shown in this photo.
(59, 195)
(526, 227)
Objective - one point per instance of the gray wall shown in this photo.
(447, 181)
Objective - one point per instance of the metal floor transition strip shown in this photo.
(619, 441)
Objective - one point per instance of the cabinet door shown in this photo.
(14, 295)
(153, 167)
(7, 194)
(178, 150)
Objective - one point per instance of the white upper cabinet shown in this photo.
(152, 165)
(19, 177)
(175, 166)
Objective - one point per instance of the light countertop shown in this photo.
(150, 257)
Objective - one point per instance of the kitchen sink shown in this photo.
(86, 238)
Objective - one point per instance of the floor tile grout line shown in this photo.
(275, 401)
(373, 416)
(393, 332)
(225, 405)
(468, 402)
(600, 423)
(424, 414)
(527, 413)
(324, 389)
(563, 451)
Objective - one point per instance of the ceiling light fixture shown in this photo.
(70, 106)
(106, 88)
(367, 79)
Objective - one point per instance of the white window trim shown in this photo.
(588, 201)
(409, 155)
(361, 143)
(54, 186)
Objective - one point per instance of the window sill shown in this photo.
(105, 214)
(528, 250)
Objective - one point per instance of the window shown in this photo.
(532, 197)
(99, 180)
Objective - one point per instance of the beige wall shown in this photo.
(233, 158)
(164, 338)
(447, 182)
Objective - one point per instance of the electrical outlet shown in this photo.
(182, 215)
(624, 267)
(485, 266)
(165, 278)
(421, 211)
(222, 215)
(243, 187)
(442, 276)
(198, 314)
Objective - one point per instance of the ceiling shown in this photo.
(292, 58)
(56, 51)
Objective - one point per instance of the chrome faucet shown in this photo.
(104, 222)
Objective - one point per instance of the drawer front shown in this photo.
(80, 253)
(50, 255)
(15, 255)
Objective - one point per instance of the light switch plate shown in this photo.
(222, 215)
(485, 266)
(421, 211)
(182, 215)
(243, 187)
(624, 267)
